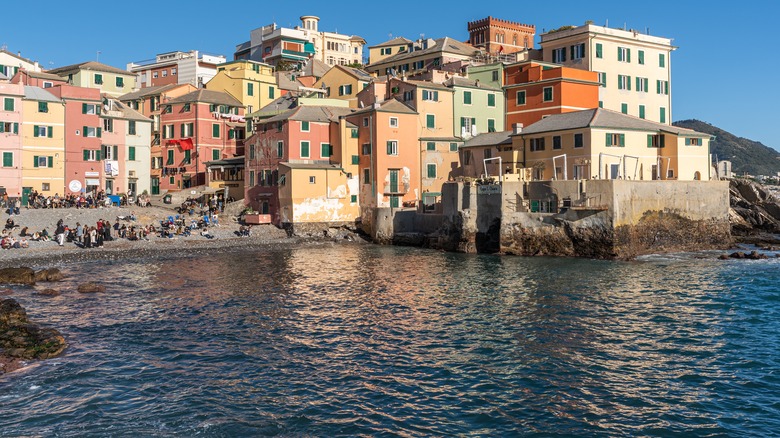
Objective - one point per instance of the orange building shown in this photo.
(536, 89)
(501, 36)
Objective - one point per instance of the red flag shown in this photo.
(500, 49)
(186, 144)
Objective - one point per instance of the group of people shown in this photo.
(9, 241)
(10, 205)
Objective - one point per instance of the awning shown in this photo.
(236, 125)
(170, 142)
(186, 144)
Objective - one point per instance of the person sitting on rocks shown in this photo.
(23, 243)
(9, 224)
(23, 233)
(45, 236)
(205, 233)
(5, 243)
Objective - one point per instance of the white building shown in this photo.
(193, 67)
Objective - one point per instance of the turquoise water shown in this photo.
(383, 341)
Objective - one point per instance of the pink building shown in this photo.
(195, 128)
(84, 151)
(37, 79)
(10, 139)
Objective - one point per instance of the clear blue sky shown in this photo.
(709, 79)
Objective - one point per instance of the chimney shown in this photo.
(517, 128)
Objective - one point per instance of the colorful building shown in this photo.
(387, 49)
(252, 83)
(171, 68)
(495, 35)
(478, 107)
(344, 83)
(634, 69)
(127, 138)
(43, 143)
(195, 128)
(109, 80)
(538, 89)
(317, 193)
(604, 144)
(11, 63)
(87, 160)
(11, 107)
(423, 55)
(37, 79)
(488, 155)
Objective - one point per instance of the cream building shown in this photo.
(43, 143)
(634, 68)
(112, 81)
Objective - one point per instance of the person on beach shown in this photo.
(59, 233)
(79, 233)
(205, 233)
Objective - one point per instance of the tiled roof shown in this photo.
(315, 68)
(43, 75)
(310, 165)
(600, 118)
(312, 114)
(127, 112)
(458, 81)
(90, 65)
(390, 106)
(397, 41)
(490, 139)
(445, 44)
(427, 84)
(39, 94)
(208, 96)
(357, 73)
(17, 56)
(148, 91)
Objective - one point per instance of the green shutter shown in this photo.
(431, 121)
(453, 147)
(641, 111)
(687, 142)
(491, 100)
(170, 157)
(16, 128)
(304, 126)
(622, 140)
(663, 140)
(628, 55)
(271, 92)
(462, 122)
(649, 140)
(491, 125)
(49, 131)
(609, 139)
(638, 83)
(35, 161)
(324, 150)
(355, 159)
(250, 89)
(115, 155)
(467, 97)
(187, 156)
(8, 159)
(215, 154)
(431, 146)
(661, 60)
(99, 132)
(215, 130)
(9, 104)
(86, 154)
(131, 153)
(620, 54)
(666, 87)
(641, 56)
(628, 83)
(2, 127)
(231, 134)
(663, 115)
(304, 149)
(599, 49)
(98, 155)
(389, 148)
(431, 171)
(83, 108)
(49, 161)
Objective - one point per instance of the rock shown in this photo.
(723, 257)
(755, 255)
(21, 339)
(737, 255)
(17, 276)
(49, 293)
(53, 274)
(91, 288)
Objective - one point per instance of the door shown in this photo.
(26, 194)
(614, 171)
(264, 208)
(394, 181)
(394, 202)
(155, 186)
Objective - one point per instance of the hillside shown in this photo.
(745, 155)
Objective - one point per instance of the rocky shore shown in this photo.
(754, 214)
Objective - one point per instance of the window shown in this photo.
(366, 149)
(641, 57)
(251, 178)
(305, 126)
(578, 51)
(365, 121)
(670, 174)
(603, 79)
(173, 71)
(250, 89)
(304, 149)
(693, 142)
(89, 108)
(326, 150)
(599, 50)
(467, 97)
(624, 82)
(43, 107)
(559, 55)
(108, 125)
(43, 161)
(494, 75)
(453, 147)
(641, 111)
(48, 84)
(624, 54)
(487, 153)
(521, 98)
(618, 140)
(556, 142)
(354, 133)
(154, 75)
(8, 104)
(430, 121)
(120, 82)
(170, 157)
(167, 109)
(662, 87)
(8, 159)
(431, 170)
(491, 99)
(468, 124)
(661, 60)
(9, 127)
(89, 131)
(312, 179)
(655, 141)
(548, 94)
(215, 154)
(215, 130)
(491, 125)
(578, 143)
(537, 144)
(366, 176)
(345, 90)
(430, 95)
(110, 152)
(280, 149)
(409, 95)
(98, 79)
(430, 146)
(642, 84)
(393, 122)
(355, 159)
(131, 153)
(353, 199)
(279, 126)
(392, 147)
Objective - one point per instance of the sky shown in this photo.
(707, 81)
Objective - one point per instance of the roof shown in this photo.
(601, 118)
(148, 91)
(16, 56)
(357, 73)
(127, 112)
(278, 106)
(458, 81)
(490, 139)
(389, 106)
(208, 96)
(39, 94)
(235, 161)
(397, 41)
(325, 166)
(426, 84)
(285, 81)
(43, 75)
(307, 113)
(315, 68)
(90, 65)
(445, 44)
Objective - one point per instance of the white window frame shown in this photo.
(155, 75)
(394, 148)
(525, 98)
(643, 85)
(43, 131)
(552, 94)
(559, 55)
(301, 148)
(393, 122)
(279, 148)
(173, 72)
(312, 179)
(624, 51)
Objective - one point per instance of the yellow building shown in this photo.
(344, 83)
(43, 143)
(252, 83)
(317, 193)
(388, 48)
(604, 144)
(109, 80)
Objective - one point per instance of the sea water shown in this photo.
(343, 340)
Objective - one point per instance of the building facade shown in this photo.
(252, 83)
(11, 63)
(344, 83)
(194, 68)
(501, 36)
(11, 117)
(109, 80)
(43, 143)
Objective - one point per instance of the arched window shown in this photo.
(514, 39)
(525, 42)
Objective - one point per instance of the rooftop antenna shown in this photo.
(97, 58)
(4, 47)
